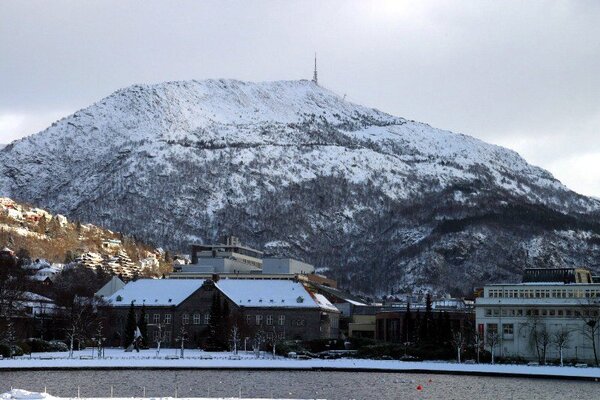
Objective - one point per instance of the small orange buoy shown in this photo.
(419, 387)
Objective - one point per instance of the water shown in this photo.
(292, 384)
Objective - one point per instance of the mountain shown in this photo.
(384, 203)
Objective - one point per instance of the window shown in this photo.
(519, 312)
(167, 319)
(281, 335)
(156, 318)
(488, 312)
(196, 319)
(507, 329)
(269, 320)
(249, 319)
(300, 322)
(282, 320)
(206, 318)
(156, 335)
(259, 319)
(492, 328)
(270, 335)
(559, 313)
(167, 336)
(146, 318)
(185, 319)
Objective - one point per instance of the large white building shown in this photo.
(525, 319)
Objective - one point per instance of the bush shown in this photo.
(25, 347)
(57, 345)
(7, 350)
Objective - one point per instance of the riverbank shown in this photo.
(196, 359)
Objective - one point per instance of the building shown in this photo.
(524, 319)
(280, 309)
(114, 285)
(231, 259)
(228, 257)
(390, 321)
(283, 265)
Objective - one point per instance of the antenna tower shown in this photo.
(314, 79)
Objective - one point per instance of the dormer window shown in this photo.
(119, 298)
(300, 299)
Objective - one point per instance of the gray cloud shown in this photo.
(520, 74)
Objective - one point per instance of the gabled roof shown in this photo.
(110, 287)
(155, 292)
(270, 293)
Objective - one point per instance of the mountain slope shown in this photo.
(384, 202)
(36, 234)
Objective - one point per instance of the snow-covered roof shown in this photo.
(110, 287)
(324, 303)
(270, 293)
(155, 292)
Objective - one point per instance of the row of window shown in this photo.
(166, 335)
(258, 320)
(544, 312)
(570, 293)
(198, 319)
(507, 329)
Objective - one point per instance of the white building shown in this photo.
(524, 319)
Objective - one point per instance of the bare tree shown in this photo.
(560, 339)
(159, 336)
(588, 312)
(82, 316)
(539, 337)
(259, 339)
(492, 339)
(477, 339)
(458, 340)
(235, 338)
(182, 338)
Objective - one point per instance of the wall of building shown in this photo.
(514, 311)
(276, 265)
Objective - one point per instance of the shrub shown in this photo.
(57, 345)
(7, 350)
(25, 347)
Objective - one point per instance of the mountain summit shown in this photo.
(386, 204)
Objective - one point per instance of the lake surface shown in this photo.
(292, 384)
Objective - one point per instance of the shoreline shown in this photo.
(340, 365)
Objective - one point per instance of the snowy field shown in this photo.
(169, 358)
(18, 394)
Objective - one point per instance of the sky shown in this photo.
(520, 74)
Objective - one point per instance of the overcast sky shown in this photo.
(522, 74)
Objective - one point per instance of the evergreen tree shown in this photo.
(426, 324)
(130, 327)
(417, 327)
(407, 325)
(143, 325)
(215, 331)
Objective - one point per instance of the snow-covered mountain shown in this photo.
(383, 202)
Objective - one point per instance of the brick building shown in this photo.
(279, 308)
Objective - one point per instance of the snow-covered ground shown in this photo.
(169, 358)
(19, 394)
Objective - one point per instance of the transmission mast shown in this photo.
(314, 79)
